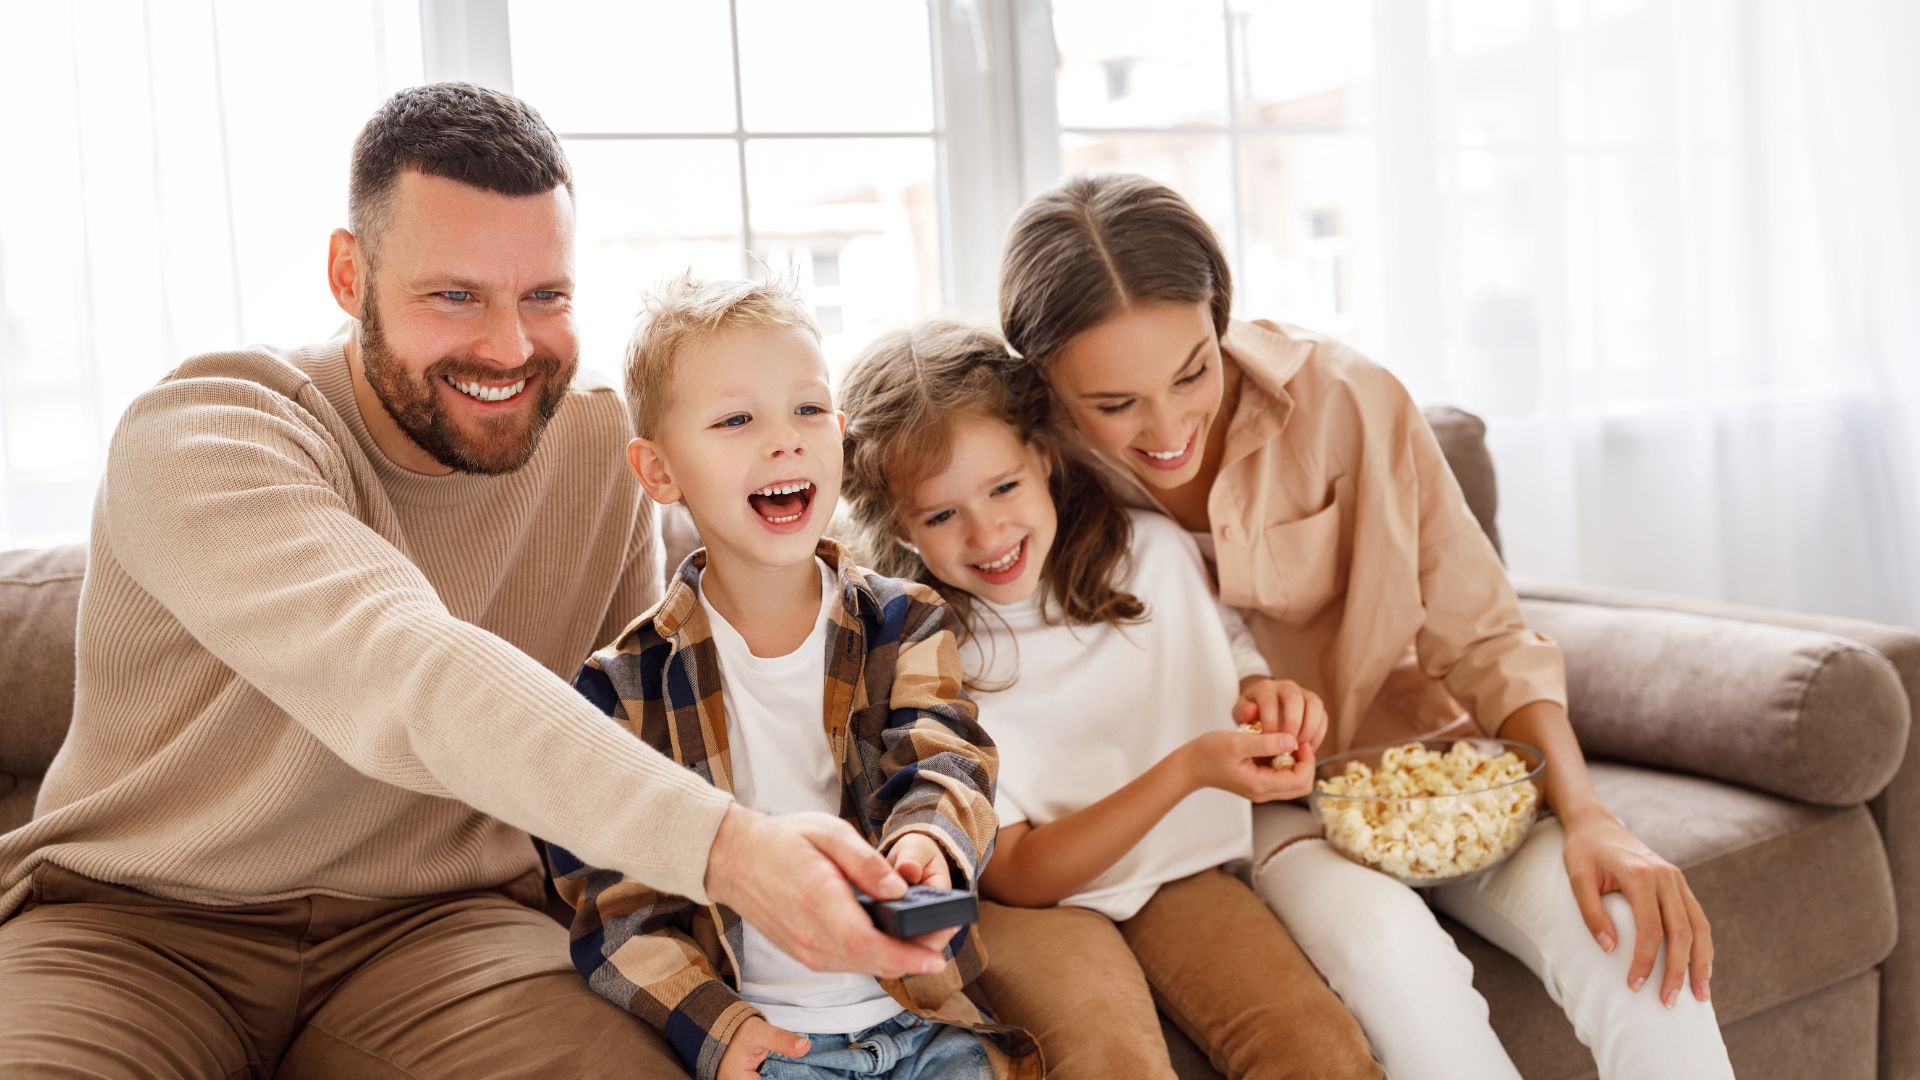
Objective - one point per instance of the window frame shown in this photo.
(993, 134)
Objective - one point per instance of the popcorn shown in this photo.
(1280, 761)
(1390, 819)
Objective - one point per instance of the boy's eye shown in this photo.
(1116, 410)
(1006, 487)
(736, 420)
(809, 410)
(1193, 378)
(939, 517)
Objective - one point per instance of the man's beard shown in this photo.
(505, 442)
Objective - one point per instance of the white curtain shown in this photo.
(1670, 249)
(163, 160)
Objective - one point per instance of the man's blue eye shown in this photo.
(458, 296)
(544, 294)
(736, 420)
(939, 517)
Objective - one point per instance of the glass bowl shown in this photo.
(1455, 833)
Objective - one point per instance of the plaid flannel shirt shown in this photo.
(912, 758)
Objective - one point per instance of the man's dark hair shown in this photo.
(460, 131)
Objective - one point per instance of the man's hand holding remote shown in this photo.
(787, 874)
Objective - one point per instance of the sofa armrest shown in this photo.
(1809, 715)
(1895, 811)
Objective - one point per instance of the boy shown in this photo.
(735, 420)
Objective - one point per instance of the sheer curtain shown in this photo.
(164, 159)
(1670, 250)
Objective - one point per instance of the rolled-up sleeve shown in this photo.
(1473, 636)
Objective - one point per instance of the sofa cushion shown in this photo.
(1796, 712)
(39, 597)
(1799, 897)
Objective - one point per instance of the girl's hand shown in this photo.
(1603, 857)
(1239, 762)
(751, 1044)
(919, 860)
(1282, 705)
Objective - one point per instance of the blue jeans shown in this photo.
(903, 1048)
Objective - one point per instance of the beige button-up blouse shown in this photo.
(1342, 535)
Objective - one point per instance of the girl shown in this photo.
(1106, 677)
(1321, 498)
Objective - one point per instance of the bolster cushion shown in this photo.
(1808, 715)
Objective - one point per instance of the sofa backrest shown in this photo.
(39, 595)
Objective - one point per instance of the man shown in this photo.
(330, 596)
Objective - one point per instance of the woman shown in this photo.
(1331, 519)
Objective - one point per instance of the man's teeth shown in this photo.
(784, 489)
(487, 393)
(1004, 562)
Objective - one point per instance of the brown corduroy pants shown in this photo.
(1206, 950)
(98, 980)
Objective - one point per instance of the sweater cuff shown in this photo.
(679, 851)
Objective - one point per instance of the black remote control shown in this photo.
(922, 911)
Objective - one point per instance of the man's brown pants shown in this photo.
(98, 980)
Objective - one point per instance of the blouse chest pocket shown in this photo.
(1306, 560)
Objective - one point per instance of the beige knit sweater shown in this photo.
(303, 669)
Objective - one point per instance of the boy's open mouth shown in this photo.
(783, 503)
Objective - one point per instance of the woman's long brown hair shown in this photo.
(1085, 251)
(903, 395)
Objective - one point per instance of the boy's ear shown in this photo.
(643, 457)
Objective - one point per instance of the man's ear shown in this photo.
(347, 272)
(643, 457)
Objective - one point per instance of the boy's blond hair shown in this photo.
(685, 309)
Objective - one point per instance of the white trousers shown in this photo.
(1382, 950)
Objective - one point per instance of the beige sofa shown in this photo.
(1765, 753)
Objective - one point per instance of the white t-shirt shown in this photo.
(782, 763)
(1093, 707)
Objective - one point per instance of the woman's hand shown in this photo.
(1282, 705)
(1603, 857)
(751, 1044)
(1240, 762)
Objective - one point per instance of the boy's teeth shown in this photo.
(487, 393)
(784, 520)
(783, 489)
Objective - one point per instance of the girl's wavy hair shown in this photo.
(902, 396)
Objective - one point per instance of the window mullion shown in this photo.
(1036, 94)
(979, 146)
(740, 142)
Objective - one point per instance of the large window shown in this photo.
(172, 173)
(742, 138)
(1242, 106)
